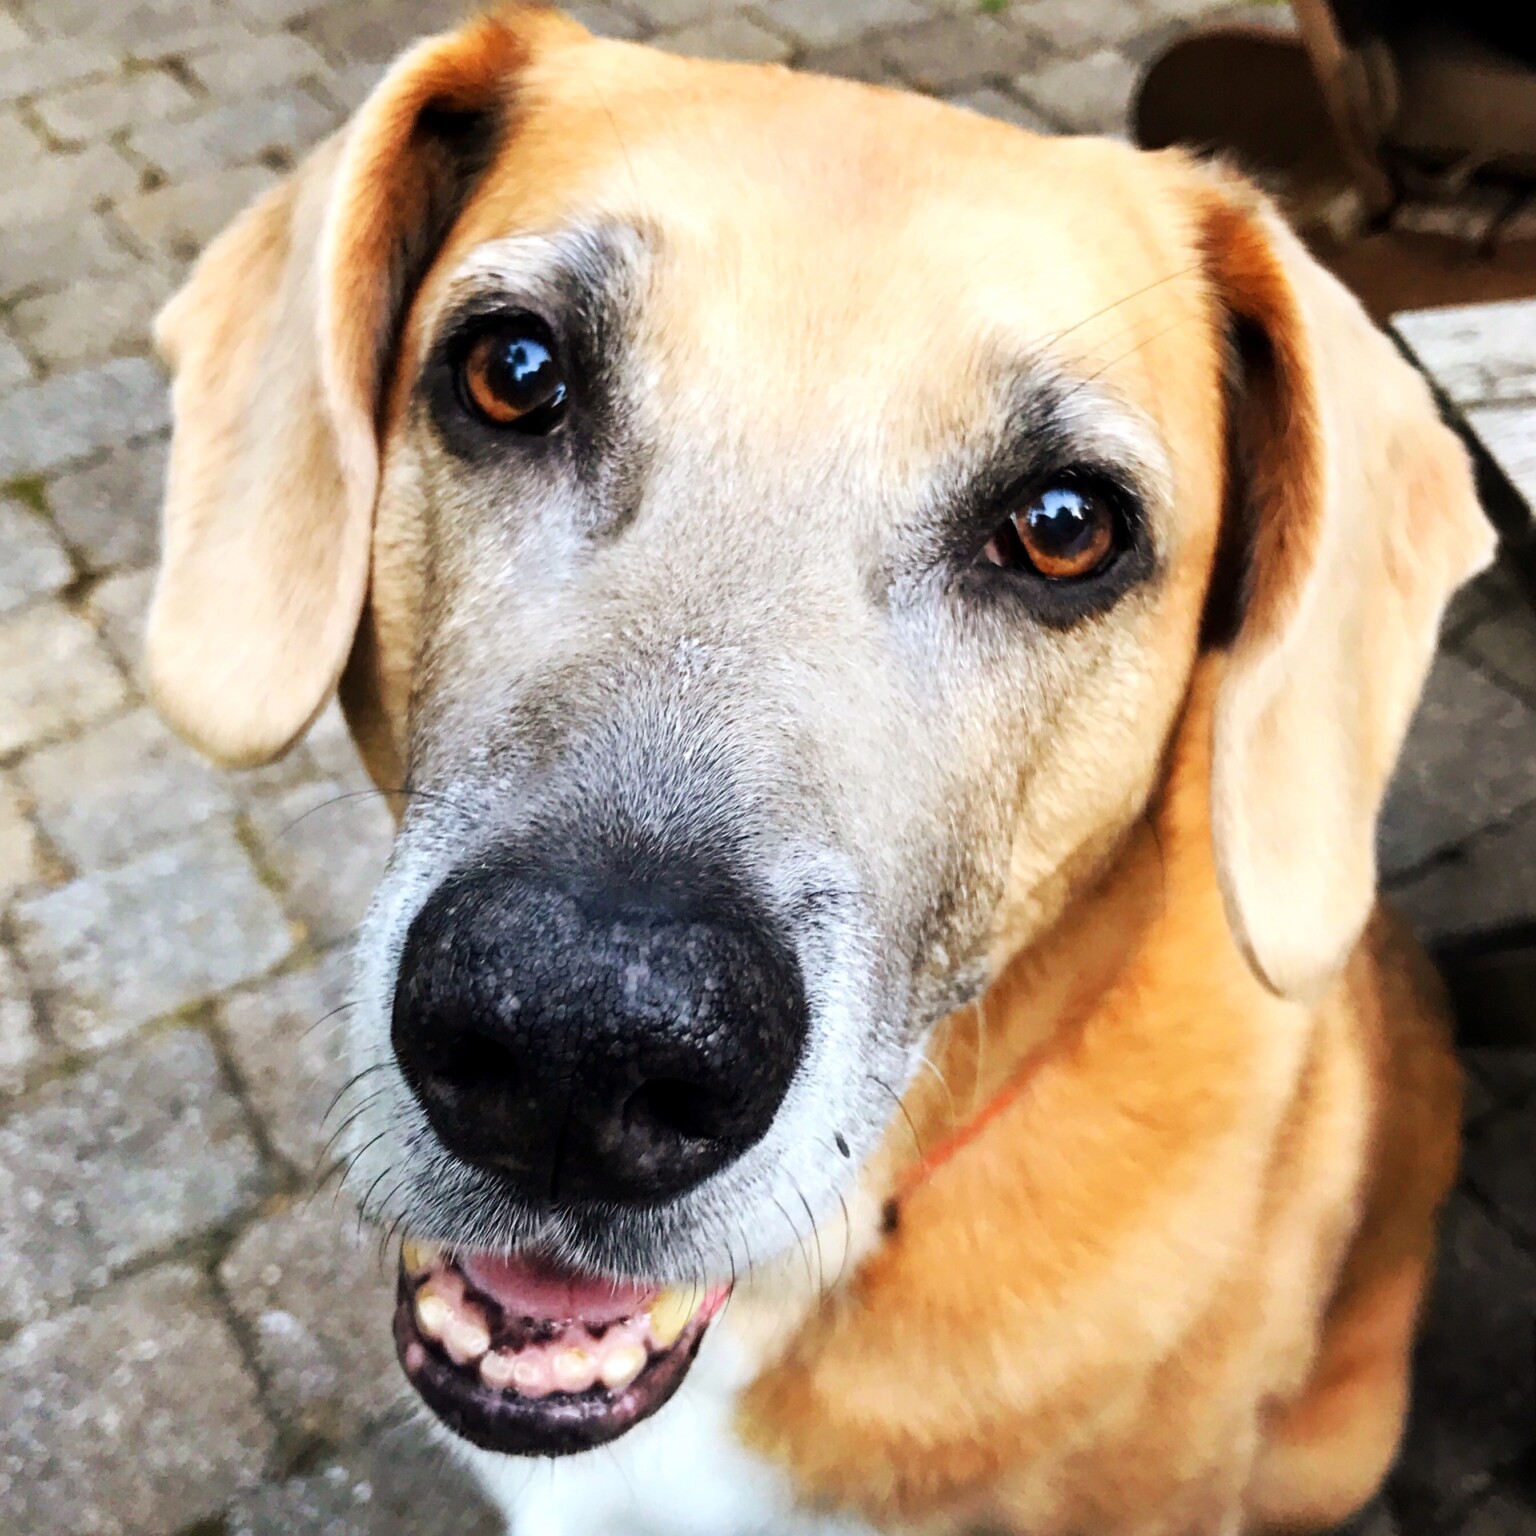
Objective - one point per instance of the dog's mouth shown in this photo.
(533, 1359)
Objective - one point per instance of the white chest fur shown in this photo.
(682, 1473)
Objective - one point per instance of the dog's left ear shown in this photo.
(1358, 519)
(281, 342)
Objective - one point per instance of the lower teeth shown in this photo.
(451, 1318)
(621, 1366)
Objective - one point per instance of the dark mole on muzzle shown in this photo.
(613, 1036)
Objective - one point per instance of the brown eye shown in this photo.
(510, 377)
(1064, 532)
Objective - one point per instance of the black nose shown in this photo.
(592, 1043)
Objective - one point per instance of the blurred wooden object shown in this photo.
(1401, 138)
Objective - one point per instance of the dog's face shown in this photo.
(793, 517)
(777, 613)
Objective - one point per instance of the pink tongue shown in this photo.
(532, 1288)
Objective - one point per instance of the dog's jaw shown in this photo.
(530, 1358)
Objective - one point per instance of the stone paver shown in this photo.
(271, 63)
(109, 511)
(668, 15)
(45, 426)
(1501, 1166)
(24, 150)
(52, 252)
(120, 605)
(115, 950)
(20, 1045)
(53, 676)
(203, 1344)
(375, 1490)
(819, 25)
(120, 789)
(1081, 26)
(328, 846)
(1487, 882)
(93, 320)
(312, 1292)
(376, 32)
(1476, 1371)
(732, 36)
(90, 112)
(20, 861)
(948, 53)
(267, 128)
(286, 1037)
(33, 563)
(29, 71)
(1081, 95)
(1469, 764)
(1504, 645)
(143, 1151)
(91, 176)
(991, 102)
(132, 1416)
(177, 220)
(15, 367)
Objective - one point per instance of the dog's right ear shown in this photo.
(280, 342)
(1360, 518)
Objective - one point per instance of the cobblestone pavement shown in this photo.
(188, 1342)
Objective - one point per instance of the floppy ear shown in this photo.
(1360, 521)
(280, 342)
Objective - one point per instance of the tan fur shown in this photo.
(1132, 1259)
(1170, 1287)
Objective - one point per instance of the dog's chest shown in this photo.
(682, 1473)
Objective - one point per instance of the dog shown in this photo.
(886, 637)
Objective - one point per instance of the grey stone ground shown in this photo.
(188, 1342)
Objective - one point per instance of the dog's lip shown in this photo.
(465, 1346)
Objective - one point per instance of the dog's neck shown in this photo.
(1126, 1055)
(1031, 1019)
(984, 1055)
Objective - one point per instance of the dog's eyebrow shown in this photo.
(1043, 421)
(1038, 420)
(576, 272)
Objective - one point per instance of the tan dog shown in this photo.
(838, 587)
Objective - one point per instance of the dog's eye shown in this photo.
(510, 376)
(1064, 532)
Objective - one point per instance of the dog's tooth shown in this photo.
(433, 1312)
(621, 1366)
(499, 1369)
(419, 1258)
(669, 1315)
(574, 1370)
(531, 1375)
(465, 1337)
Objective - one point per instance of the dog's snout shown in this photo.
(594, 1043)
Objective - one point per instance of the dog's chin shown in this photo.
(530, 1358)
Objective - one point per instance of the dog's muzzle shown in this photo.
(594, 1042)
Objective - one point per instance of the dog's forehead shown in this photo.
(849, 227)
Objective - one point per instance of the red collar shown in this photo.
(1012, 1090)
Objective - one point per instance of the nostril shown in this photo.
(469, 1060)
(670, 1105)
